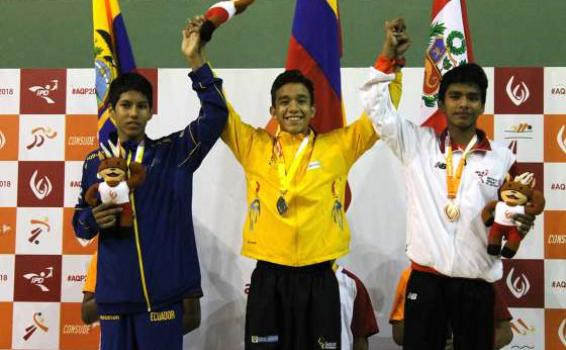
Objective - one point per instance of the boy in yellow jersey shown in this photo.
(296, 224)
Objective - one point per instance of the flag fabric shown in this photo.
(112, 56)
(315, 48)
(449, 45)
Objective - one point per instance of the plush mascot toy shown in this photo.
(220, 13)
(119, 181)
(517, 197)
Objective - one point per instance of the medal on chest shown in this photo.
(282, 205)
(453, 180)
(285, 176)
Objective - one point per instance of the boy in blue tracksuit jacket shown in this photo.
(144, 276)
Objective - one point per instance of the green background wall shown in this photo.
(58, 33)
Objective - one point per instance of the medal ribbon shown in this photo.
(453, 181)
(138, 158)
(284, 176)
(139, 154)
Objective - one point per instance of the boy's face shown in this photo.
(293, 108)
(131, 114)
(462, 105)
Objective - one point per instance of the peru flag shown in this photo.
(449, 45)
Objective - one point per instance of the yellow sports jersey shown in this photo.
(314, 227)
(90, 281)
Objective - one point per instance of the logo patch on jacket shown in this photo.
(483, 176)
(440, 165)
(256, 339)
(315, 164)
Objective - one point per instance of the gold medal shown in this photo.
(452, 211)
(453, 180)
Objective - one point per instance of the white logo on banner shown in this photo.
(519, 93)
(520, 286)
(39, 279)
(5, 229)
(43, 91)
(2, 140)
(559, 138)
(41, 188)
(561, 334)
(39, 135)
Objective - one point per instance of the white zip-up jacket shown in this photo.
(455, 249)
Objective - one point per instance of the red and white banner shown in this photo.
(42, 147)
(449, 46)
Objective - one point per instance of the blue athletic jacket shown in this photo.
(163, 268)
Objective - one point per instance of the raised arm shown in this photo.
(201, 134)
(381, 94)
(217, 117)
(192, 47)
(392, 57)
(396, 43)
(356, 138)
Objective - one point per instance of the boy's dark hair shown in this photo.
(130, 82)
(469, 73)
(291, 76)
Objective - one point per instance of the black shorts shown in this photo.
(293, 308)
(437, 306)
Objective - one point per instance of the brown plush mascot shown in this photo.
(517, 196)
(118, 181)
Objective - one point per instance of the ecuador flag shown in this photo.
(112, 56)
